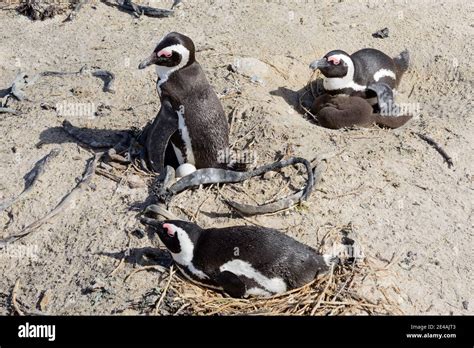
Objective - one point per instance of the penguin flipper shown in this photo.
(402, 62)
(390, 115)
(159, 134)
(385, 99)
(231, 284)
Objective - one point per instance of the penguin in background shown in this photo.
(191, 130)
(353, 74)
(243, 261)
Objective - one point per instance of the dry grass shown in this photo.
(335, 293)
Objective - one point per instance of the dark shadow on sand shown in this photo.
(147, 256)
(58, 135)
(305, 94)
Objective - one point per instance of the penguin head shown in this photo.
(174, 51)
(334, 64)
(178, 236)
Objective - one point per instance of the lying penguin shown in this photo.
(243, 261)
(341, 111)
(191, 129)
(353, 74)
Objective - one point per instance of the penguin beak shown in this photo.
(319, 64)
(152, 59)
(151, 222)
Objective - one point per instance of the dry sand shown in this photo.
(394, 189)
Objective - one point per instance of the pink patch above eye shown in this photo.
(164, 53)
(334, 60)
(169, 229)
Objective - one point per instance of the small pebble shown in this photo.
(269, 175)
(134, 181)
(139, 233)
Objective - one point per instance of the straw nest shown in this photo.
(335, 293)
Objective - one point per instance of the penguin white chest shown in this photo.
(184, 132)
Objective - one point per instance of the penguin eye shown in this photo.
(165, 53)
(334, 60)
(169, 230)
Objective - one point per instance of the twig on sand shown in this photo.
(165, 291)
(139, 10)
(65, 202)
(282, 73)
(198, 210)
(313, 116)
(411, 92)
(75, 10)
(108, 175)
(144, 268)
(31, 178)
(9, 111)
(23, 80)
(313, 93)
(438, 148)
(175, 3)
(108, 78)
(14, 302)
(122, 260)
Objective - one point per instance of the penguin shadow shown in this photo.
(4, 92)
(147, 256)
(85, 136)
(303, 98)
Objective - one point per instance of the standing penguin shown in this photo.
(191, 128)
(243, 260)
(353, 74)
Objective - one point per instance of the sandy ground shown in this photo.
(402, 201)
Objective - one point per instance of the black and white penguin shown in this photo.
(353, 74)
(191, 125)
(243, 260)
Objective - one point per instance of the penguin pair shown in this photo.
(242, 261)
(359, 89)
